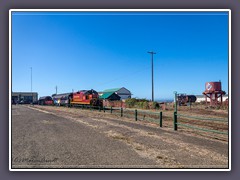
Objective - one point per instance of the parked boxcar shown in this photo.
(45, 100)
(86, 97)
(183, 99)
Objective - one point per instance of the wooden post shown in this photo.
(160, 123)
(135, 115)
(175, 121)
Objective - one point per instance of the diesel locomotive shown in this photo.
(86, 97)
(82, 97)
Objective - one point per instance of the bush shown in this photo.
(140, 103)
(130, 102)
(156, 105)
(143, 100)
(137, 103)
(145, 105)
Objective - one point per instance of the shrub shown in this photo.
(130, 102)
(143, 100)
(156, 105)
(139, 104)
(145, 105)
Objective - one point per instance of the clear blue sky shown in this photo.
(83, 50)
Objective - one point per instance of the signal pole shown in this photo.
(152, 53)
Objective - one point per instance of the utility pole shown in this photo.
(152, 53)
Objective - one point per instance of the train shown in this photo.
(82, 97)
(45, 100)
(62, 99)
(183, 99)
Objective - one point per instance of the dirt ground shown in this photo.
(185, 148)
(197, 111)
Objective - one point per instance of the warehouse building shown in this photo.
(24, 97)
(122, 92)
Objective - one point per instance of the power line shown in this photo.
(124, 76)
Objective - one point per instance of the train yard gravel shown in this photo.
(82, 139)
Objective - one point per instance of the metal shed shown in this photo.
(122, 92)
(110, 96)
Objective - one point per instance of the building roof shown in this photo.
(24, 93)
(112, 90)
(106, 95)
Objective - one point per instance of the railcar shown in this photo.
(62, 99)
(86, 97)
(45, 100)
(183, 99)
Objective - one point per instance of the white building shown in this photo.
(201, 98)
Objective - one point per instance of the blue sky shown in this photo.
(86, 50)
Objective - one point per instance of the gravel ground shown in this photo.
(44, 140)
(76, 138)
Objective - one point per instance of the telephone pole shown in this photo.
(56, 89)
(152, 53)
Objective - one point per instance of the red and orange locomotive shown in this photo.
(83, 97)
(86, 97)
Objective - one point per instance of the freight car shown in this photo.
(45, 100)
(86, 97)
(183, 99)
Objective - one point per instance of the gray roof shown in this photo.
(24, 93)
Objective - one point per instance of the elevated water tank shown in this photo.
(213, 86)
(213, 91)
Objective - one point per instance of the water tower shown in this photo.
(213, 91)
